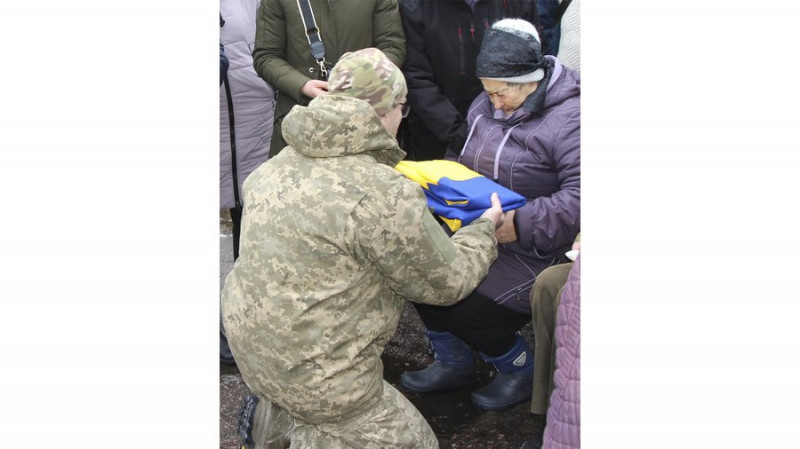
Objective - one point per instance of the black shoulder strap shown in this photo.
(232, 131)
(562, 8)
(312, 34)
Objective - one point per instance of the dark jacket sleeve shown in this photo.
(388, 31)
(552, 222)
(270, 53)
(433, 108)
(548, 28)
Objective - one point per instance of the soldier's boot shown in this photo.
(514, 382)
(247, 412)
(452, 369)
(264, 425)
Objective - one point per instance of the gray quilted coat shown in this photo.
(253, 100)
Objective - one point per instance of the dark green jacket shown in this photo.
(282, 57)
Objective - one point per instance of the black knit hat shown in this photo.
(511, 52)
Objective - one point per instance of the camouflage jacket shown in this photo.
(333, 239)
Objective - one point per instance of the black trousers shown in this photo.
(478, 321)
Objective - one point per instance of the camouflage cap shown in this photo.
(369, 75)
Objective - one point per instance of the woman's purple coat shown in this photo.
(539, 158)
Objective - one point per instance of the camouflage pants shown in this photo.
(394, 423)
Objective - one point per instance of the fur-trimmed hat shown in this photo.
(511, 52)
(369, 75)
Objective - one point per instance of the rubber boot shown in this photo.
(533, 443)
(514, 382)
(452, 369)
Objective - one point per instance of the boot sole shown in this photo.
(499, 408)
(411, 389)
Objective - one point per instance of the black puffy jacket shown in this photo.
(443, 38)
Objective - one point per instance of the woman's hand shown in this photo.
(314, 88)
(506, 233)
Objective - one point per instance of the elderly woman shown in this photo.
(524, 133)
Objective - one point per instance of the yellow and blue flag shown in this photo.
(457, 194)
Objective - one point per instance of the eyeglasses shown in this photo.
(500, 94)
(406, 109)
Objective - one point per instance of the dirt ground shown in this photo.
(451, 415)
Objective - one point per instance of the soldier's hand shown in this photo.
(495, 213)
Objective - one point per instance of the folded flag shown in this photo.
(457, 194)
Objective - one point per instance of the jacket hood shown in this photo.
(339, 125)
(562, 84)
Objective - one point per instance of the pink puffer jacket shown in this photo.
(563, 429)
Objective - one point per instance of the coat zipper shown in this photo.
(500, 148)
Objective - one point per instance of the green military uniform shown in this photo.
(333, 240)
(282, 57)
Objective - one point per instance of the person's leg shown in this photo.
(478, 321)
(492, 329)
(225, 354)
(394, 422)
(236, 218)
(544, 304)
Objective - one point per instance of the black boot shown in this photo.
(453, 368)
(514, 382)
(533, 443)
(246, 413)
